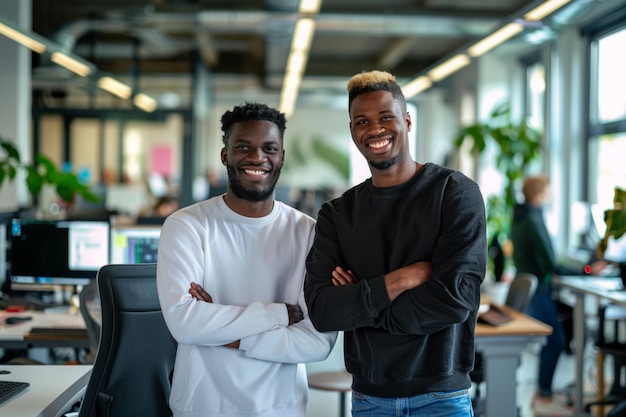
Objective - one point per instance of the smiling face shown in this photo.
(379, 125)
(253, 157)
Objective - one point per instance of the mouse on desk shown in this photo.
(16, 319)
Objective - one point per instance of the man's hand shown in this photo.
(199, 293)
(407, 278)
(343, 276)
(295, 313)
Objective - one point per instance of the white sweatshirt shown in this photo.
(251, 267)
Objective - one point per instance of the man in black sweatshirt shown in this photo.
(397, 264)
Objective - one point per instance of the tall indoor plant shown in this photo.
(615, 220)
(517, 144)
(40, 173)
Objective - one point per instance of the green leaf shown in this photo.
(34, 181)
(12, 152)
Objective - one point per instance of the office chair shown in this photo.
(131, 374)
(522, 289)
(90, 310)
(612, 345)
(520, 293)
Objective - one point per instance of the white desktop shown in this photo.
(52, 392)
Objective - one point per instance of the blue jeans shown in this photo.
(433, 404)
(543, 308)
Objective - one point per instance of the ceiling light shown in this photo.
(21, 38)
(145, 102)
(453, 64)
(310, 6)
(115, 87)
(416, 86)
(296, 63)
(303, 34)
(71, 64)
(289, 93)
(545, 9)
(496, 38)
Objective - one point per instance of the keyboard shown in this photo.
(10, 388)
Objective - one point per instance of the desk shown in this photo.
(502, 347)
(53, 389)
(16, 336)
(602, 287)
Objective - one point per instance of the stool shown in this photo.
(337, 381)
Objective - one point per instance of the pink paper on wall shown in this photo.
(161, 160)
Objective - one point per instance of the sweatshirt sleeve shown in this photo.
(198, 322)
(262, 328)
(338, 308)
(297, 343)
(459, 260)
(454, 217)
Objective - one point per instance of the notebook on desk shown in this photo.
(8, 389)
(494, 316)
(57, 332)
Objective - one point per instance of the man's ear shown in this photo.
(224, 156)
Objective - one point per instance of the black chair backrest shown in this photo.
(131, 374)
(89, 302)
(522, 289)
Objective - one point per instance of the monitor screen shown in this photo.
(616, 249)
(134, 244)
(63, 252)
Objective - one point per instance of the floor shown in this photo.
(527, 381)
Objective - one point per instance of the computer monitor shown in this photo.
(134, 244)
(57, 252)
(616, 250)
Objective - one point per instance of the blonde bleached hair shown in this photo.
(366, 82)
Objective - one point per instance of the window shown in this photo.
(607, 118)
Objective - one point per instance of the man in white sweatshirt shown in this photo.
(230, 276)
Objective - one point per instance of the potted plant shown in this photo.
(40, 173)
(517, 145)
(615, 220)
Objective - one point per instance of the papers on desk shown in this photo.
(605, 284)
(494, 316)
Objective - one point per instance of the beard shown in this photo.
(384, 165)
(253, 195)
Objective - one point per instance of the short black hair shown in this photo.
(252, 111)
(366, 82)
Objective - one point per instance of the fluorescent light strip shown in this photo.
(545, 9)
(416, 86)
(71, 64)
(115, 87)
(453, 64)
(496, 38)
(303, 34)
(145, 102)
(22, 38)
(310, 6)
(296, 63)
(289, 94)
(298, 57)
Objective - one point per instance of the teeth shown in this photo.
(380, 144)
(253, 172)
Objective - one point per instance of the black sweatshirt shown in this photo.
(424, 340)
